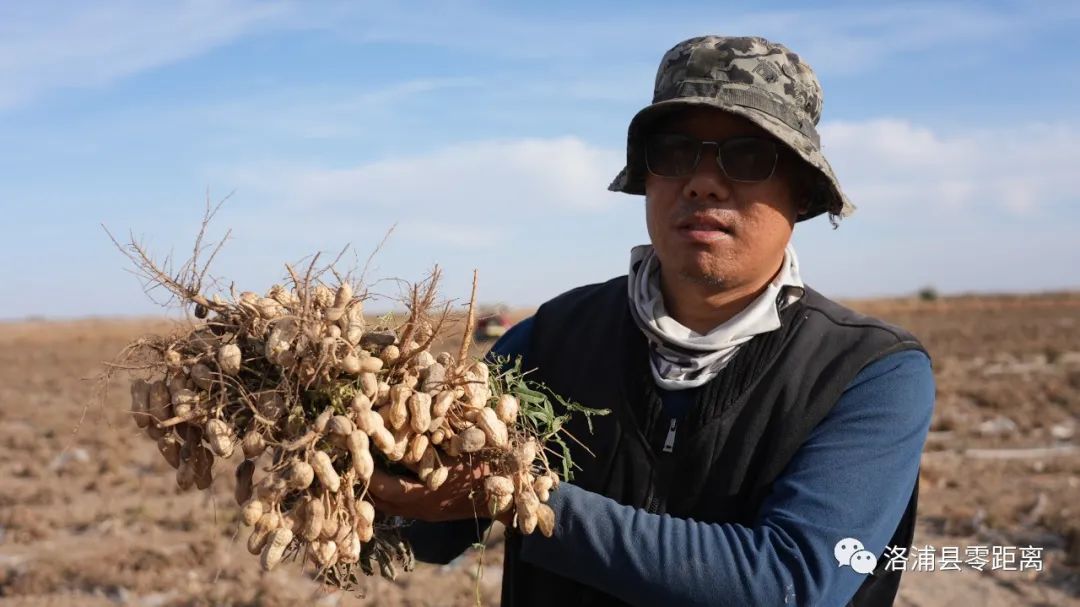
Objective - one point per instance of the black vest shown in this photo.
(741, 433)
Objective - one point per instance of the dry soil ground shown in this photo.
(94, 518)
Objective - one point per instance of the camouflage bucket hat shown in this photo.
(751, 77)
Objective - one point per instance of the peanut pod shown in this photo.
(359, 449)
(369, 385)
(471, 440)
(427, 463)
(312, 519)
(340, 426)
(545, 519)
(419, 405)
(349, 549)
(324, 553)
(220, 437)
(253, 444)
(369, 422)
(244, 488)
(524, 453)
(299, 475)
(324, 470)
(229, 359)
(158, 402)
(365, 521)
(252, 512)
(441, 404)
(140, 396)
(497, 434)
(185, 475)
(398, 413)
(266, 525)
(275, 547)
(527, 504)
(350, 364)
(416, 448)
(202, 461)
(202, 376)
(383, 440)
(169, 447)
(361, 403)
(401, 444)
(506, 409)
(330, 525)
(437, 478)
(542, 486)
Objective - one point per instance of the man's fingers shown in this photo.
(391, 508)
(391, 488)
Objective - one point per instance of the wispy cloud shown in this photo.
(988, 209)
(45, 46)
(899, 165)
(841, 39)
(884, 163)
(851, 40)
(514, 209)
(508, 180)
(325, 112)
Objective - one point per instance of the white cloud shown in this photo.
(45, 46)
(959, 210)
(899, 165)
(479, 195)
(857, 40)
(532, 215)
(325, 112)
(499, 181)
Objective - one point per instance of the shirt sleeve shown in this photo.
(852, 478)
(442, 542)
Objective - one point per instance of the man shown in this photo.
(760, 433)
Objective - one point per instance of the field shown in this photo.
(93, 517)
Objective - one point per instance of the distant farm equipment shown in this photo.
(491, 322)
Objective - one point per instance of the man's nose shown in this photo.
(708, 180)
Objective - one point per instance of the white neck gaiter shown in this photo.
(681, 358)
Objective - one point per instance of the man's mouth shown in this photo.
(703, 228)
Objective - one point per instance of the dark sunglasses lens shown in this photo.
(671, 155)
(748, 159)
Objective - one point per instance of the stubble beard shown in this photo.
(703, 277)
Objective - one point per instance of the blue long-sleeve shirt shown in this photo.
(851, 479)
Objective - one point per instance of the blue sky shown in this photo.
(488, 134)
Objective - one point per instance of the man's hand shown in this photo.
(460, 497)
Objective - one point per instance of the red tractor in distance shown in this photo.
(491, 322)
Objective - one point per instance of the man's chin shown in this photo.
(696, 267)
(702, 276)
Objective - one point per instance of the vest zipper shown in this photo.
(669, 442)
(662, 473)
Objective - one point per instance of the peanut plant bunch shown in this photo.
(310, 397)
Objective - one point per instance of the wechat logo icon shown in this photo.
(850, 552)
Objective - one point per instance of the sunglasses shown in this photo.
(747, 159)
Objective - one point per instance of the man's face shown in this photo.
(711, 230)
